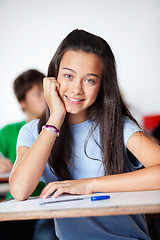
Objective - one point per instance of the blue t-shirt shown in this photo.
(85, 164)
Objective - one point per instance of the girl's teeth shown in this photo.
(74, 100)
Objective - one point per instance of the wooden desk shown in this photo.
(4, 177)
(4, 185)
(119, 204)
(4, 188)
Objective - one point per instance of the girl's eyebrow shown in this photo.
(69, 69)
(88, 74)
(93, 74)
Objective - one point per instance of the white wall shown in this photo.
(32, 30)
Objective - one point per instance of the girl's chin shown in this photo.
(72, 112)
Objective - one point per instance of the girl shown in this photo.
(98, 145)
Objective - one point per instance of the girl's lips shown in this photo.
(74, 100)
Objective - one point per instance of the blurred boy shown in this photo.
(28, 88)
(29, 92)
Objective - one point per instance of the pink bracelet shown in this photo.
(52, 129)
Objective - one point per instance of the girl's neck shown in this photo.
(76, 118)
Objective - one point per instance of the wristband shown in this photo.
(52, 129)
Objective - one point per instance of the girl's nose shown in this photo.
(77, 88)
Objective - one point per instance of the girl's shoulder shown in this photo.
(31, 126)
(28, 134)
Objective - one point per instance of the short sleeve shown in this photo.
(28, 134)
(129, 128)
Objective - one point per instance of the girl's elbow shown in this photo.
(17, 192)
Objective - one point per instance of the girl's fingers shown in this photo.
(46, 188)
(52, 96)
(72, 187)
(50, 188)
(48, 192)
(48, 81)
(59, 192)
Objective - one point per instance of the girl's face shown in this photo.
(79, 76)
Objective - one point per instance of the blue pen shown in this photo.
(94, 198)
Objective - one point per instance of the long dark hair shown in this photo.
(107, 111)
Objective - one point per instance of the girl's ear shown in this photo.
(22, 104)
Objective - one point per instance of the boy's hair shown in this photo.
(25, 81)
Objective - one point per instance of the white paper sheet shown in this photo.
(116, 199)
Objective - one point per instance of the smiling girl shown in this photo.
(86, 141)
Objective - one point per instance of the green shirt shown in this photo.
(8, 141)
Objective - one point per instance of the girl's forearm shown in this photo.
(28, 171)
(141, 180)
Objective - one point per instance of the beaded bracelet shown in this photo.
(52, 129)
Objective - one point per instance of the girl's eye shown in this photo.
(67, 76)
(90, 81)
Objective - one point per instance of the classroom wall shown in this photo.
(32, 30)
